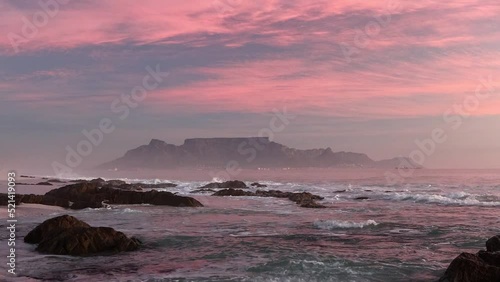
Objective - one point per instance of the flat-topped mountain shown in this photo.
(247, 152)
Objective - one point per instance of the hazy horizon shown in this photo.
(373, 78)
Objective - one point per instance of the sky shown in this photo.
(376, 77)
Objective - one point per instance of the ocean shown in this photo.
(409, 231)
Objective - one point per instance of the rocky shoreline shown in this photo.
(66, 235)
(99, 193)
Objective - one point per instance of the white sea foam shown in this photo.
(129, 210)
(457, 198)
(218, 180)
(336, 224)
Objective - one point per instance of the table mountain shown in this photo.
(250, 152)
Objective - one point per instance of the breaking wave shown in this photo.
(338, 224)
(458, 198)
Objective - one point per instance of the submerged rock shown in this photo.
(258, 185)
(304, 199)
(44, 183)
(66, 235)
(227, 184)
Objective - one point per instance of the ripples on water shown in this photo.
(405, 233)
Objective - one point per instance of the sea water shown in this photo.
(409, 231)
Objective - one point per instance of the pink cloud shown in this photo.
(260, 87)
(328, 87)
(144, 22)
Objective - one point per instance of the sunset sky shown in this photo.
(362, 76)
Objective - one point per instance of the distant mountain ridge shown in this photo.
(246, 152)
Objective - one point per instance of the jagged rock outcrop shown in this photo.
(303, 199)
(251, 152)
(66, 235)
(481, 267)
(97, 194)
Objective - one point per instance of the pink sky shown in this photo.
(410, 61)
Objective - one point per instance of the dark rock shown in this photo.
(361, 198)
(491, 258)
(87, 241)
(303, 199)
(66, 235)
(155, 186)
(493, 244)
(52, 226)
(340, 191)
(77, 180)
(129, 187)
(207, 190)
(30, 198)
(115, 182)
(43, 200)
(470, 268)
(4, 199)
(55, 181)
(78, 205)
(44, 183)
(97, 181)
(227, 184)
(233, 192)
(92, 195)
(303, 196)
(27, 176)
(258, 185)
(120, 184)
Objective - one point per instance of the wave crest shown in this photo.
(339, 224)
(460, 198)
